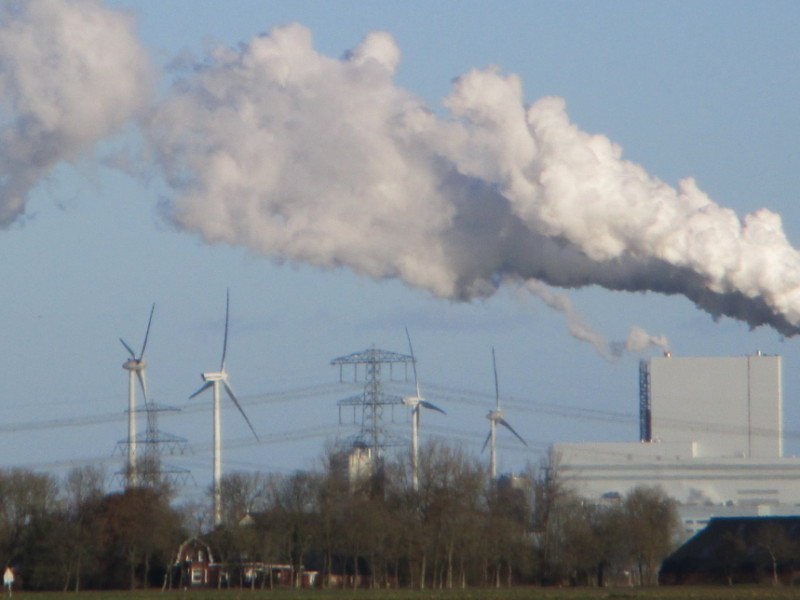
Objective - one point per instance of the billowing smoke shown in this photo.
(311, 159)
(325, 161)
(71, 73)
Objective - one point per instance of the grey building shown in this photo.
(711, 435)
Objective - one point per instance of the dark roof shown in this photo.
(732, 549)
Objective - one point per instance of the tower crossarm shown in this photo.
(361, 399)
(372, 355)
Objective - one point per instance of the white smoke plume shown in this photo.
(638, 340)
(576, 325)
(71, 73)
(306, 158)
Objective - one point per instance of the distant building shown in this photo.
(355, 465)
(722, 406)
(711, 435)
(737, 550)
(260, 575)
(196, 565)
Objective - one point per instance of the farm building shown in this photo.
(197, 568)
(737, 550)
(263, 575)
(196, 565)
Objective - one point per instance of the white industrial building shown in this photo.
(710, 434)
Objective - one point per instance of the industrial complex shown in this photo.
(710, 434)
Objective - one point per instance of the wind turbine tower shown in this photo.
(136, 370)
(496, 417)
(215, 379)
(145, 468)
(416, 403)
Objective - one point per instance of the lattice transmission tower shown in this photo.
(371, 403)
(150, 468)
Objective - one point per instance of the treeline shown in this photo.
(70, 534)
(457, 530)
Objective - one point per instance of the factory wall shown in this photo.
(607, 469)
(728, 406)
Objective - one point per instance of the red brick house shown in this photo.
(197, 565)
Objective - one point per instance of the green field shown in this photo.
(519, 593)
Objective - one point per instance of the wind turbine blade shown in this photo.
(427, 404)
(496, 386)
(206, 385)
(147, 333)
(225, 339)
(505, 424)
(239, 406)
(128, 348)
(486, 443)
(143, 384)
(413, 361)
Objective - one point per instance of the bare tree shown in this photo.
(652, 526)
(448, 514)
(136, 530)
(773, 538)
(295, 501)
(552, 502)
(729, 550)
(81, 491)
(593, 540)
(243, 494)
(27, 500)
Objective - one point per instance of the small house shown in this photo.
(197, 565)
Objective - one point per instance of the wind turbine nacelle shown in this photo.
(133, 365)
(213, 376)
(411, 401)
(494, 415)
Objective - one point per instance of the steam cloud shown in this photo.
(311, 159)
(638, 339)
(71, 74)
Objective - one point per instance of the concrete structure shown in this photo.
(355, 465)
(710, 434)
(724, 406)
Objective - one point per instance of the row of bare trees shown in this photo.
(458, 530)
(70, 534)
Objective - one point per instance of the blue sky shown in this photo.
(705, 91)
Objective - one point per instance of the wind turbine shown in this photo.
(136, 369)
(496, 417)
(213, 379)
(416, 403)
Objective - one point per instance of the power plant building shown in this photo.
(711, 435)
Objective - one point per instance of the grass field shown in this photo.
(519, 593)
